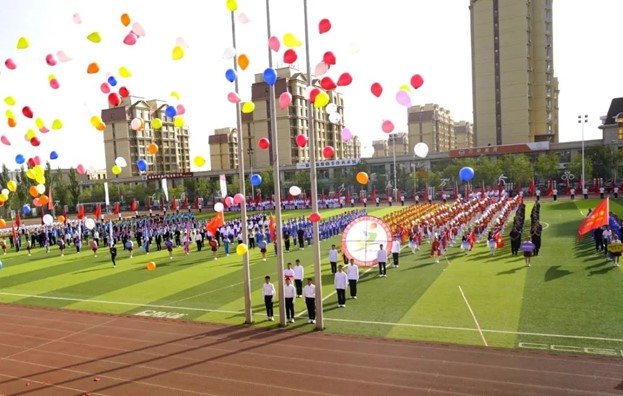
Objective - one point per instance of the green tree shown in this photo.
(517, 168)
(487, 170)
(301, 179)
(575, 166)
(606, 161)
(548, 166)
(73, 187)
(452, 170)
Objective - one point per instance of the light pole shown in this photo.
(250, 154)
(583, 121)
(393, 137)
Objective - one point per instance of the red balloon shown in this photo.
(27, 112)
(344, 80)
(123, 91)
(329, 58)
(301, 140)
(377, 89)
(417, 81)
(35, 142)
(105, 88)
(113, 99)
(10, 64)
(50, 60)
(328, 152)
(54, 83)
(312, 95)
(290, 56)
(37, 160)
(314, 217)
(31, 163)
(327, 84)
(263, 143)
(324, 26)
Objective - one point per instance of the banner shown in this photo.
(223, 184)
(106, 197)
(165, 189)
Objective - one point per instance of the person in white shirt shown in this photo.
(288, 273)
(268, 290)
(353, 277)
(396, 252)
(572, 193)
(616, 192)
(299, 272)
(289, 292)
(538, 194)
(555, 193)
(309, 291)
(333, 256)
(585, 192)
(381, 256)
(340, 280)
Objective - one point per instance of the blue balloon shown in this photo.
(53, 155)
(270, 76)
(20, 159)
(466, 174)
(230, 75)
(112, 81)
(142, 165)
(256, 180)
(1, 265)
(170, 111)
(26, 209)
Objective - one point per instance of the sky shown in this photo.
(384, 42)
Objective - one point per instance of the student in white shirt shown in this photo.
(268, 290)
(353, 277)
(333, 256)
(396, 252)
(381, 256)
(299, 272)
(340, 280)
(289, 292)
(288, 273)
(309, 291)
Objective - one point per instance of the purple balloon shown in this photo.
(346, 134)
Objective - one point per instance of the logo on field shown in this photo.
(362, 238)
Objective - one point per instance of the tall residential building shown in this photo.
(121, 140)
(433, 125)
(224, 149)
(515, 93)
(395, 141)
(464, 134)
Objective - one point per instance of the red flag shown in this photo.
(65, 216)
(456, 190)
(518, 187)
(133, 205)
(598, 217)
(147, 204)
(550, 189)
(50, 200)
(196, 204)
(216, 222)
(185, 203)
(174, 204)
(596, 185)
(98, 211)
(116, 209)
(347, 196)
(271, 228)
(258, 197)
(426, 193)
(531, 188)
(14, 230)
(80, 212)
(567, 188)
(18, 221)
(374, 193)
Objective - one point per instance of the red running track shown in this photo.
(60, 352)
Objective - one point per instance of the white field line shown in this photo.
(484, 340)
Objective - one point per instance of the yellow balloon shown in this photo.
(9, 114)
(178, 53)
(39, 122)
(94, 37)
(22, 43)
(178, 122)
(175, 95)
(124, 72)
(96, 120)
(232, 5)
(4, 197)
(30, 134)
(322, 99)
(51, 77)
(11, 185)
(30, 174)
(38, 170)
(116, 169)
(40, 179)
(57, 124)
(405, 87)
(241, 249)
(9, 100)
(156, 123)
(248, 107)
(289, 40)
(199, 161)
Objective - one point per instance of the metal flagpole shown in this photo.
(314, 182)
(246, 271)
(277, 183)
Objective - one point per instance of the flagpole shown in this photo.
(274, 140)
(314, 182)
(246, 270)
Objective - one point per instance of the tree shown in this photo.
(517, 168)
(73, 187)
(548, 166)
(606, 161)
(452, 171)
(301, 179)
(575, 167)
(488, 171)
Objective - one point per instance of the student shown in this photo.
(28, 246)
(299, 272)
(465, 245)
(333, 255)
(491, 243)
(289, 292)
(226, 245)
(617, 254)
(113, 255)
(353, 277)
(528, 251)
(309, 291)
(268, 290)
(94, 247)
(288, 273)
(381, 256)
(340, 281)
(262, 245)
(3, 245)
(435, 249)
(129, 245)
(214, 247)
(396, 252)
(61, 246)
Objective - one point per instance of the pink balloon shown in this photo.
(284, 100)
(403, 98)
(321, 68)
(44, 130)
(180, 109)
(80, 169)
(274, 43)
(63, 57)
(36, 202)
(388, 126)
(233, 97)
(54, 83)
(5, 140)
(37, 160)
(417, 81)
(10, 64)
(138, 29)
(181, 42)
(50, 60)
(229, 201)
(376, 89)
(346, 134)
(105, 88)
(130, 38)
(301, 140)
(238, 198)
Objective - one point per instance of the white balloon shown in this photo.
(321, 68)
(421, 150)
(137, 124)
(121, 162)
(5, 191)
(335, 118)
(89, 224)
(218, 207)
(40, 188)
(48, 219)
(229, 53)
(331, 108)
(295, 191)
(243, 18)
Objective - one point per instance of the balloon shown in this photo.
(81, 170)
(11, 185)
(417, 81)
(346, 134)
(40, 188)
(243, 61)
(178, 122)
(232, 5)
(30, 134)
(284, 100)
(48, 219)
(121, 162)
(229, 53)
(291, 41)
(405, 87)
(22, 43)
(229, 201)
(35, 142)
(54, 84)
(40, 179)
(301, 140)
(105, 88)
(94, 37)
(57, 124)
(170, 111)
(141, 165)
(37, 168)
(328, 152)
(116, 170)
(11, 122)
(27, 112)
(241, 249)
(243, 18)
(344, 80)
(130, 39)
(263, 143)
(180, 109)
(125, 19)
(3, 198)
(60, 219)
(238, 198)
(33, 191)
(93, 68)
(329, 58)
(321, 68)
(362, 178)
(152, 148)
(321, 100)
(248, 107)
(290, 56)
(138, 29)
(295, 191)
(199, 161)
(335, 118)
(113, 99)
(181, 42)
(421, 150)
(324, 26)
(124, 92)
(230, 75)
(178, 53)
(331, 108)
(403, 98)
(314, 217)
(156, 123)
(112, 81)
(26, 209)
(270, 76)
(466, 174)
(2, 224)
(256, 180)
(388, 126)
(327, 83)
(5, 140)
(53, 155)
(151, 266)
(124, 72)
(62, 56)
(233, 97)
(219, 207)
(274, 44)
(20, 159)
(9, 100)
(10, 64)
(76, 18)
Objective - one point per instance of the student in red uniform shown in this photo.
(435, 249)
(214, 247)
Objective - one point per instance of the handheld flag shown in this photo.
(598, 217)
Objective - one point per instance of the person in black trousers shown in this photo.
(113, 255)
(300, 233)
(515, 237)
(535, 234)
(309, 292)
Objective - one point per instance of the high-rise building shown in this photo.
(122, 140)
(433, 125)
(515, 93)
(395, 141)
(224, 149)
(464, 134)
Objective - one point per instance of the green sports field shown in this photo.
(569, 300)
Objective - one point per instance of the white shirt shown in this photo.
(382, 256)
(352, 271)
(555, 192)
(309, 291)
(572, 191)
(333, 255)
(288, 273)
(601, 190)
(396, 246)
(340, 280)
(298, 272)
(289, 291)
(268, 289)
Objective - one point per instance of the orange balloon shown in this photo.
(152, 148)
(243, 61)
(93, 68)
(2, 223)
(151, 266)
(33, 191)
(12, 122)
(125, 19)
(60, 219)
(362, 178)
(101, 126)
(43, 199)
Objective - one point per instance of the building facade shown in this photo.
(515, 93)
(122, 140)
(464, 134)
(397, 143)
(433, 125)
(224, 149)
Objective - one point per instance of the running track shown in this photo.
(59, 352)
